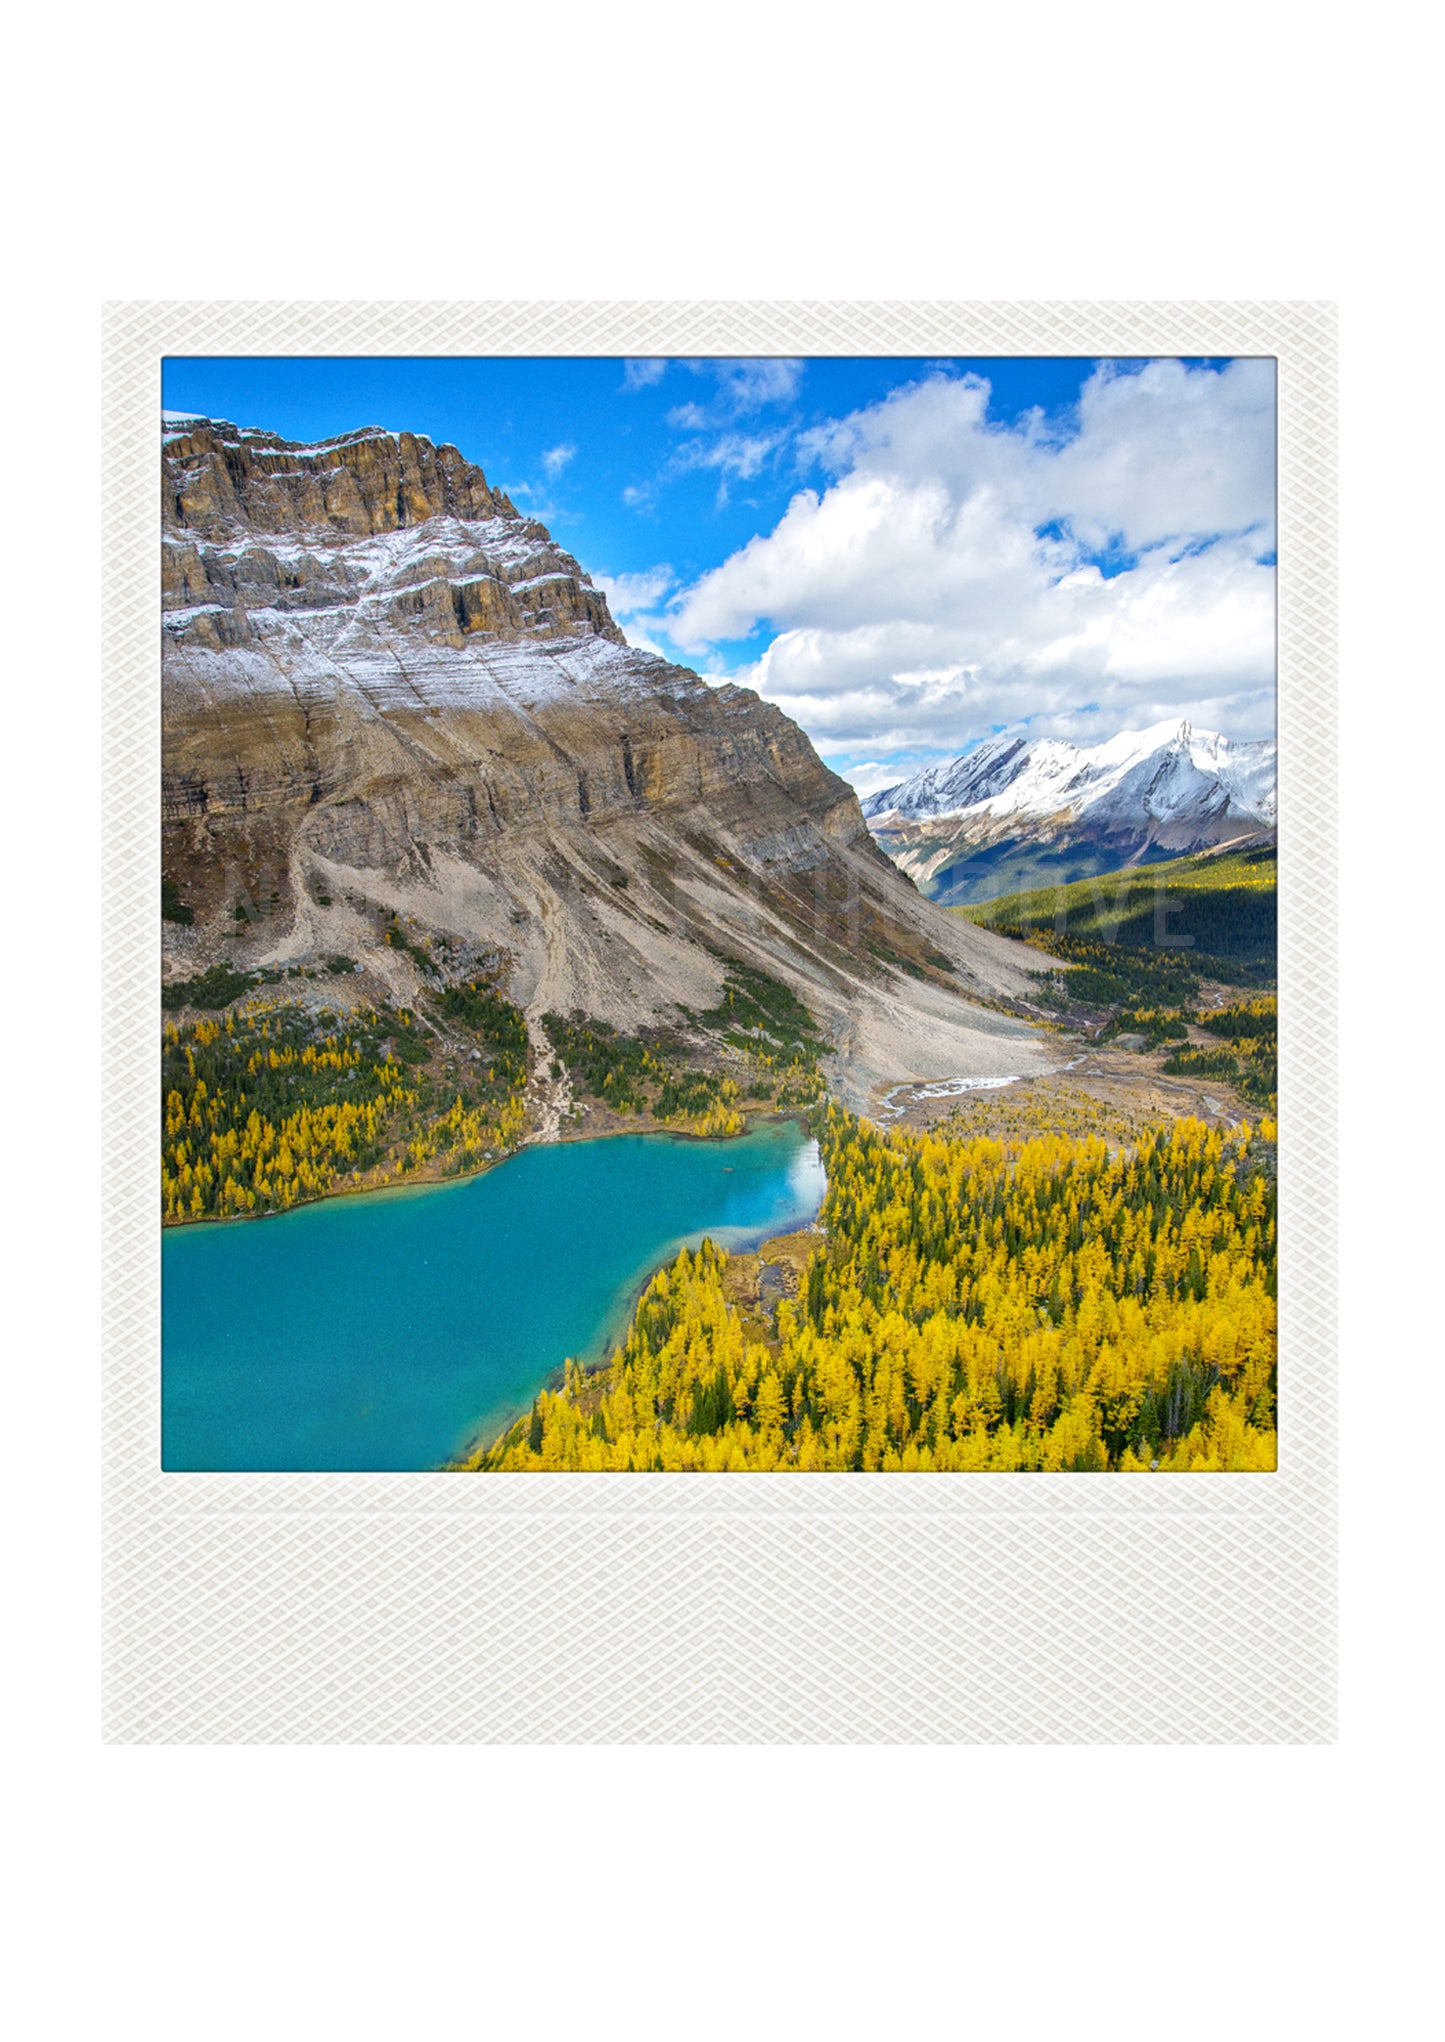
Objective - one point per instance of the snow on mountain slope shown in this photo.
(1170, 773)
(385, 691)
(1014, 814)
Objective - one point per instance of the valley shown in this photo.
(1157, 986)
(456, 882)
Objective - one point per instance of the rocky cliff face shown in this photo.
(386, 692)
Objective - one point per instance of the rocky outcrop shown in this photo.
(217, 477)
(409, 535)
(386, 693)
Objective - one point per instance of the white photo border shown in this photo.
(689, 1608)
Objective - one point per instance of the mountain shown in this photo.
(1013, 814)
(390, 701)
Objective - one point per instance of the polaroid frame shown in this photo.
(690, 1608)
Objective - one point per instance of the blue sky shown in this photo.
(905, 554)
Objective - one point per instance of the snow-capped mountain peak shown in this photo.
(1171, 774)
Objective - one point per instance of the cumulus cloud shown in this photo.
(629, 595)
(634, 601)
(637, 373)
(952, 574)
(555, 459)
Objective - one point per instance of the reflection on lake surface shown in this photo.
(383, 1332)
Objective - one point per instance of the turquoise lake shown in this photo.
(386, 1331)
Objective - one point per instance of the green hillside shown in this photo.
(1141, 945)
(981, 873)
(1222, 906)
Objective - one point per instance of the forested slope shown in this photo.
(1050, 1306)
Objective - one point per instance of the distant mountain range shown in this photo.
(1015, 813)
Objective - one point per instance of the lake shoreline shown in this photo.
(419, 1180)
(401, 1332)
(490, 1431)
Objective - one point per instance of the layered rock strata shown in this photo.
(388, 693)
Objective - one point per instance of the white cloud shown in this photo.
(1170, 451)
(536, 502)
(646, 634)
(940, 582)
(555, 459)
(721, 439)
(746, 383)
(873, 775)
(628, 595)
(733, 454)
(637, 373)
(633, 601)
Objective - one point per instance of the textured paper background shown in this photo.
(691, 1608)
